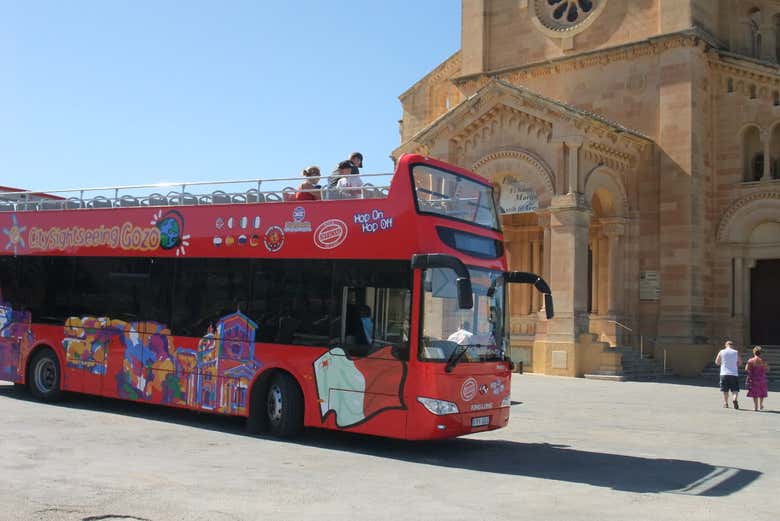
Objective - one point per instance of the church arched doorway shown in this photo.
(764, 291)
(523, 184)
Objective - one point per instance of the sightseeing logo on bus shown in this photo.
(166, 232)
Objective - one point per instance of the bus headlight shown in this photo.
(506, 402)
(438, 407)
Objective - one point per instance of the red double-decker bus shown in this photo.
(383, 313)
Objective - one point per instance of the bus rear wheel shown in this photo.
(284, 406)
(44, 376)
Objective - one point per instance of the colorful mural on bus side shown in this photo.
(15, 340)
(215, 375)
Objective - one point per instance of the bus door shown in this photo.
(364, 372)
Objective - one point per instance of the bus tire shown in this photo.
(284, 406)
(45, 376)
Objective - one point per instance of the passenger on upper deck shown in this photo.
(309, 189)
(344, 168)
(356, 158)
(348, 184)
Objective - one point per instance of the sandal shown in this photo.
(725, 406)
(736, 404)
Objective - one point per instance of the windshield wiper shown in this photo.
(455, 357)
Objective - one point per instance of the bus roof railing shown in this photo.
(188, 194)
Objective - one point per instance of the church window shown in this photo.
(571, 9)
(730, 85)
(752, 92)
(758, 166)
(565, 15)
(752, 155)
(776, 98)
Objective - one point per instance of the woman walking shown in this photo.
(756, 370)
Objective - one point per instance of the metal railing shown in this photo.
(188, 193)
(642, 340)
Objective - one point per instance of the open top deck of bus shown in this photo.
(184, 194)
(426, 206)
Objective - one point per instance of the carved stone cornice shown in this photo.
(570, 201)
(613, 227)
(500, 118)
(743, 68)
(627, 52)
(610, 156)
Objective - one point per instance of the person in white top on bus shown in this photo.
(729, 361)
(462, 336)
(349, 185)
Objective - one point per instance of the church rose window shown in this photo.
(566, 16)
(570, 9)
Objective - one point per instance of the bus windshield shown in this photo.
(454, 196)
(446, 326)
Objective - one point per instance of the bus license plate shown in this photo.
(480, 421)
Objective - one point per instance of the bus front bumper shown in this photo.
(425, 425)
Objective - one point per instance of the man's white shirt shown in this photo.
(461, 336)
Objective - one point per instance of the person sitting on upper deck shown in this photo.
(356, 158)
(309, 189)
(348, 184)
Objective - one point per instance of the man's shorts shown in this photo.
(729, 382)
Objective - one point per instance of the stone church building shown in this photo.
(635, 145)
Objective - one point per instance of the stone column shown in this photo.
(594, 275)
(614, 230)
(603, 275)
(766, 141)
(524, 265)
(544, 222)
(569, 221)
(573, 164)
(739, 282)
(748, 264)
(535, 268)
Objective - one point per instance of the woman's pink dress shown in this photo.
(756, 371)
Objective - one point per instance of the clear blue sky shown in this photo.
(127, 92)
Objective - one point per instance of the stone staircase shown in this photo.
(627, 364)
(770, 354)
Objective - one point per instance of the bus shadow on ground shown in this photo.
(535, 460)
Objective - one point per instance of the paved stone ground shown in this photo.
(575, 449)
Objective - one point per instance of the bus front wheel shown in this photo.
(44, 376)
(284, 406)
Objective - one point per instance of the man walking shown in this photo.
(729, 361)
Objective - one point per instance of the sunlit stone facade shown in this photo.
(637, 147)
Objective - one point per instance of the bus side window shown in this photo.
(376, 318)
(208, 290)
(293, 301)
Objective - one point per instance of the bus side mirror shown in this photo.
(440, 260)
(548, 305)
(465, 296)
